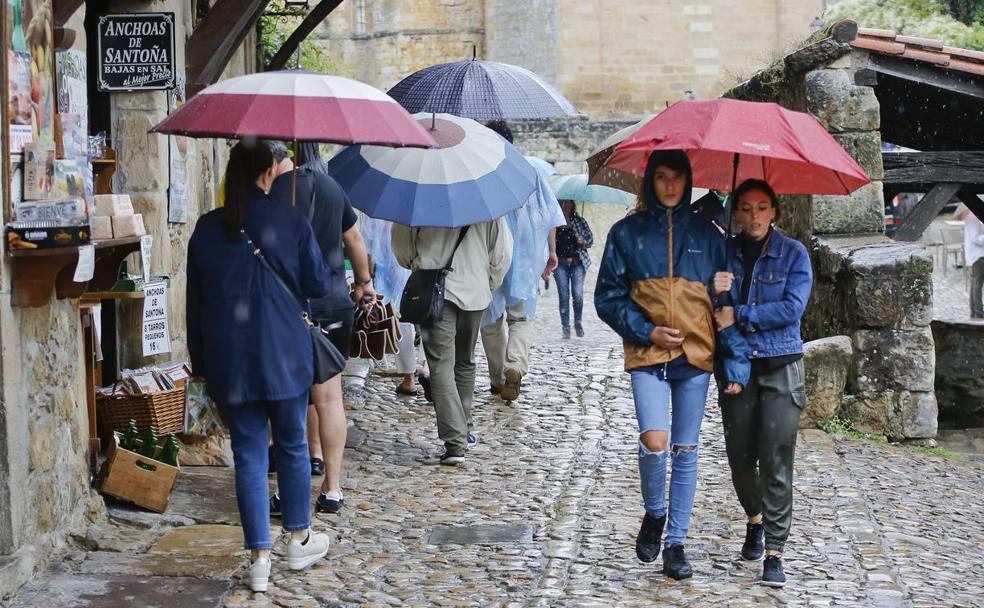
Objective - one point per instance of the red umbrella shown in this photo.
(729, 141)
(297, 105)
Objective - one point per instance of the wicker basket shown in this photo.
(164, 410)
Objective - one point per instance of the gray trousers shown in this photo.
(760, 426)
(507, 344)
(976, 284)
(450, 348)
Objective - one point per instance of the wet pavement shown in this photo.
(544, 512)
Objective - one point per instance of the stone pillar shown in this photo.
(959, 356)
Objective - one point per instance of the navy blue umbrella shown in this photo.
(480, 90)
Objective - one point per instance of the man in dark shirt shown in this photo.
(320, 199)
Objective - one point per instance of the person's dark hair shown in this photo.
(757, 184)
(673, 159)
(277, 148)
(247, 161)
(500, 127)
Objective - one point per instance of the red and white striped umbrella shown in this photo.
(297, 105)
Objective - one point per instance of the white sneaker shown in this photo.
(258, 575)
(300, 556)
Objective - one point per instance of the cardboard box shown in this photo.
(69, 212)
(143, 481)
(102, 227)
(45, 235)
(128, 225)
(112, 205)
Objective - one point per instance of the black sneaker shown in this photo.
(772, 574)
(675, 564)
(328, 505)
(424, 380)
(317, 467)
(579, 331)
(754, 547)
(452, 457)
(275, 504)
(472, 439)
(650, 537)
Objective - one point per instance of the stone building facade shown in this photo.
(44, 473)
(610, 59)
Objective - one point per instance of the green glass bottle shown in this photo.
(129, 440)
(149, 448)
(169, 455)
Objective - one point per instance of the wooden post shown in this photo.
(921, 216)
(217, 38)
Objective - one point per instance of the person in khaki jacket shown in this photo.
(477, 269)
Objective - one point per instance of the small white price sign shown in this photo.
(146, 247)
(156, 333)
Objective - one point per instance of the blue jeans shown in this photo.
(653, 394)
(570, 282)
(248, 428)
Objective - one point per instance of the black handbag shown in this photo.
(328, 360)
(422, 302)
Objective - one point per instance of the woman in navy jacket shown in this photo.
(770, 280)
(247, 338)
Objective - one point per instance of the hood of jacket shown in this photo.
(653, 204)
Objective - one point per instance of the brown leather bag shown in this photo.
(375, 331)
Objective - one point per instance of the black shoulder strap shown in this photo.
(314, 197)
(461, 237)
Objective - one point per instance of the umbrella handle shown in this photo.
(731, 198)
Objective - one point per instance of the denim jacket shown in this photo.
(781, 283)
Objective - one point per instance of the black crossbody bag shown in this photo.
(328, 360)
(422, 302)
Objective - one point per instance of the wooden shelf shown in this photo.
(37, 270)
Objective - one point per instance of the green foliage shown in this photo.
(935, 451)
(958, 23)
(274, 29)
(843, 427)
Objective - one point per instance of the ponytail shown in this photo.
(247, 161)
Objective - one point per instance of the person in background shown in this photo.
(247, 339)
(573, 241)
(974, 258)
(319, 198)
(769, 278)
(507, 325)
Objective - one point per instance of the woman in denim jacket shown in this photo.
(770, 280)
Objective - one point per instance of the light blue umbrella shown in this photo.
(544, 168)
(576, 188)
(472, 176)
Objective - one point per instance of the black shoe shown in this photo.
(317, 467)
(472, 439)
(452, 457)
(425, 383)
(650, 537)
(495, 390)
(754, 547)
(579, 331)
(772, 574)
(405, 391)
(328, 505)
(675, 564)
(275, 504)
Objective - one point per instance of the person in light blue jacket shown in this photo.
(769, 279)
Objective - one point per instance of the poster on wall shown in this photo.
(177, 192)
(136, 52)
(30, 87)
(73, 101)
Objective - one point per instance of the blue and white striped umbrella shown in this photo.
(472, 176)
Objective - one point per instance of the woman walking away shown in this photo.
(573, 241)
(247, 338)
(770, 279)
(653, 290)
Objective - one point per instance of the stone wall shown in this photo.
(565, 142)
(44, 476)
(959, 357)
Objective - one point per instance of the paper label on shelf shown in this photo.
(156, 333)
(86, 265)
(146, 246)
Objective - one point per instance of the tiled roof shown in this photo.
(927, 50)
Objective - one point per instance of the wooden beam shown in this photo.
(313, 19)
(216, 40)
(933, 167)
(922, 215)
(973, 202)
(924, 73)
(62, 10)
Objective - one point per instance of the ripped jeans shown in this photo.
(653, 395)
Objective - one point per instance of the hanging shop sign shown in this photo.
(136, 52)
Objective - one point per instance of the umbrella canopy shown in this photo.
(298, 105)
(576, 188)
(542, 167)
(599, 174)
(788, 149)
(481, 90)
(472, 176)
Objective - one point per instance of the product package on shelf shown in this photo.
(128, 225)
(102, 227)
(70, 212)
(46, 234)
(112, 205)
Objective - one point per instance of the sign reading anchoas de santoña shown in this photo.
(136, 52)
